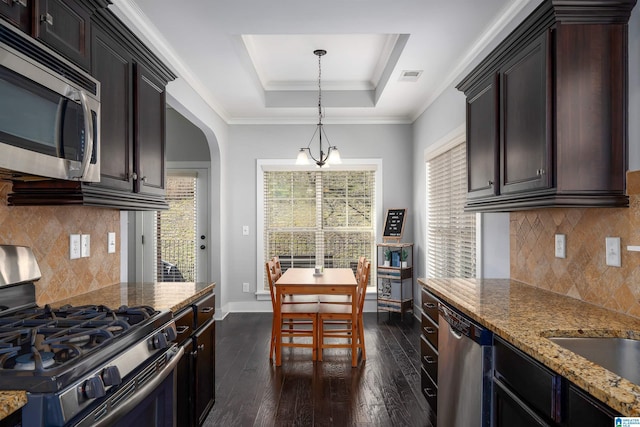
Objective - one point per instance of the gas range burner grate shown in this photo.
(66, 333)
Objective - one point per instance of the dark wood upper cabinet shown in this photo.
(112, 65)
(17, 12)
(553, 95)
(64, 25)
(150, 132)
(482, 139)
(525, 143)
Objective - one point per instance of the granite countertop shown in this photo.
(525, 315)
(161, 296)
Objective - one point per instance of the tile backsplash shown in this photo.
(46, 230)
(583, 274)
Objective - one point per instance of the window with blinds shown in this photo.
(319, 217)
(451, 233)
(176, 231)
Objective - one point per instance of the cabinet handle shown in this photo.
(429, 359)
(540, 172)
(47, 18)
(144, 179)
(201, 347)
(429, 330)
(134, 176)
(22, 3)
(490, 183)
(429, 305)
(194, 354)
(182, 329)
(429, 392)
(206, 310)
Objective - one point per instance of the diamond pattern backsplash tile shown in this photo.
(583, 274)
(46, 230)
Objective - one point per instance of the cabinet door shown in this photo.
(583, 410)
(510, 411)
(111, 65)
(185, 386)
(64, 25)
(482, 139)
(17, 12)
(149, 106)
(205, 370)
(525, 134)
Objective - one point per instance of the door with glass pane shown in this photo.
(176, 249)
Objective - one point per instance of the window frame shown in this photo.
(263, 165)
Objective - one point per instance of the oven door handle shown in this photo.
(136, 398)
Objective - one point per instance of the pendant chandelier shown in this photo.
(332, 155)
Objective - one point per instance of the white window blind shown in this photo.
(176, 230)
(319, 217)
(451, 233)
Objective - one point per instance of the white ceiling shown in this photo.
(253, 61)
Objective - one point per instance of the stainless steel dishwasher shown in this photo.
(464, 371)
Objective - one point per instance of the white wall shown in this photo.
(247, 143)
(185, 141)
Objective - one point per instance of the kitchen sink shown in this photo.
(618, 355)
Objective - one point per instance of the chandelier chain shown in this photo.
(319, 89)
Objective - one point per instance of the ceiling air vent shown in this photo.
(410, 75)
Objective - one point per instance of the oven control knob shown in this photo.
(171, 333)
(160, 341)
(94, 388)
(111, 376)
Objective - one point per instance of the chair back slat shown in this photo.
(270, 266)
(362, 285)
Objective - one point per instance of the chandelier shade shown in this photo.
(331, 155)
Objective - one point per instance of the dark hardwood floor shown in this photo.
(384, 390)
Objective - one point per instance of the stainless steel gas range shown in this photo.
(84, 365)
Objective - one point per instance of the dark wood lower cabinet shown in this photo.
(585, 411)
(196, 371)
(184, 386)
(509, 410)
(526, 393)
(205, 370)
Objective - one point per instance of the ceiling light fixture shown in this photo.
(332, 156)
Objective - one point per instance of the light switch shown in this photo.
(561, 246)
(74, 246)
(85, 245)
(245, 230)
(612, 248)
(111, 242)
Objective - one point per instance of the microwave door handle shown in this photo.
(58, 128)
(88, 136)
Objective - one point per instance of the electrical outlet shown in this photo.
(111, 242)
(612, 248)
(245, 230)
(245, 287)
(74, 246)
(85, 245)
(561, 246)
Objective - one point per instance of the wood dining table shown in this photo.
(304, 281)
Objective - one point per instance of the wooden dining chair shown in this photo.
(344, 299)
(334, 320)
(299, 321)
(290, 299)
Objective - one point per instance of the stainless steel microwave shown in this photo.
(49, 112)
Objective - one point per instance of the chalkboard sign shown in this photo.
(394, 224)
